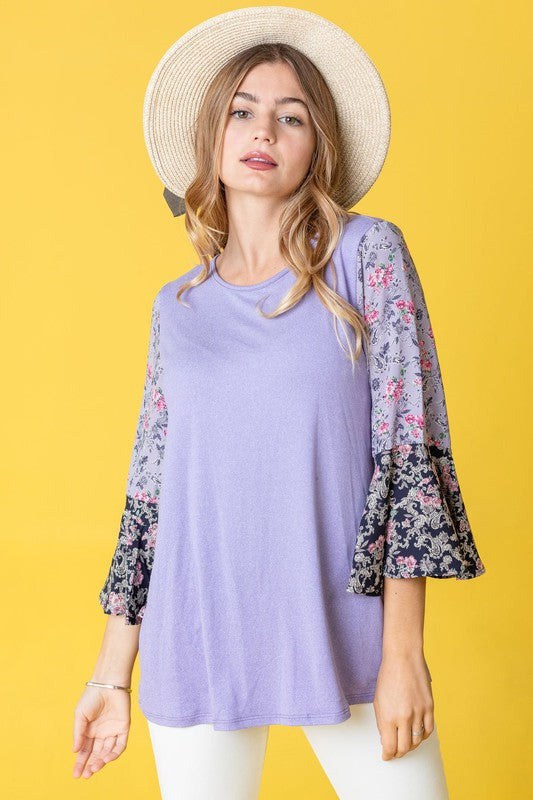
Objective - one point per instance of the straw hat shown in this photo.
(179, 82)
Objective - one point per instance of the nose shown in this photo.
(264, 130)
(263, 137)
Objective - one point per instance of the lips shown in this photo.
(259, 154)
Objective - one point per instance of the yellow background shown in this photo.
(88, 239)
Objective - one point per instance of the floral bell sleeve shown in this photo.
(414, 522)
(126, 587)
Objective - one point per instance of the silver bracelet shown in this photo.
(108, 685)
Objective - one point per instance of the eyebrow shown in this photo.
(278, 100)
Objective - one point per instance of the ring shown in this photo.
(417, 733)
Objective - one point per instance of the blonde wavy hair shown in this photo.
(309, 213)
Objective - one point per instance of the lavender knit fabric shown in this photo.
(271, 489)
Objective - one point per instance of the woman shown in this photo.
(300, 482)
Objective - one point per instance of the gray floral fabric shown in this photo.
(414, 522)
(126, 587)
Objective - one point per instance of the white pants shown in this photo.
(199, 763)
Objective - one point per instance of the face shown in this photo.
(269, 114)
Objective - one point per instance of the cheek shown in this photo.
(231, 138)
(303, 154)
(231, 148)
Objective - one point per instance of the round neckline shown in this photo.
(248, 286)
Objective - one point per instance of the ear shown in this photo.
(175, 203)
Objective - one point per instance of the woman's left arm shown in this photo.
(414, 524)
(403, 700)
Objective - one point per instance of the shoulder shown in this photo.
(363, 233)
(168, 290)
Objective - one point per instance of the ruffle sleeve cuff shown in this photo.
(126, 588)
(414, 522)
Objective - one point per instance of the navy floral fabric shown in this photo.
(414, 522)
(126, 587)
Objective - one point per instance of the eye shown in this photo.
(298, 121)
(238, 111)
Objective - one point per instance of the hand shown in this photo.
(403, 701)
(101, 727)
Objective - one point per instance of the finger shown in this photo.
(417, 732)
(429, 723)
(101, 748)
(405, 740)
(84, 752)
(389, 740)
(90, 768)
(118, 748)
(105, 751)
(92, 760)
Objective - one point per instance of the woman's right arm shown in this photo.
(118, 652)
(126, 587)
(102, 715)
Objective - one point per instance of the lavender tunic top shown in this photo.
(281, 487)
